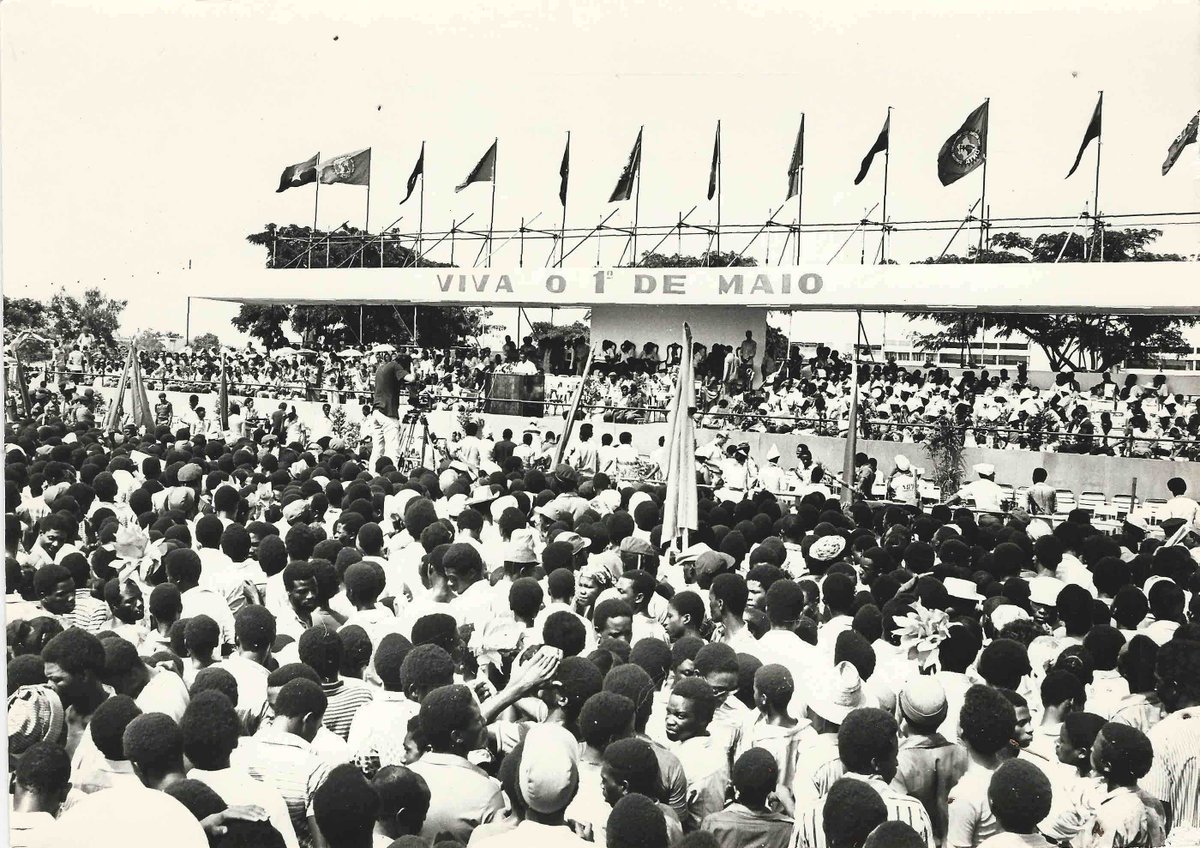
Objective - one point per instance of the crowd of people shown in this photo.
(739, 388)
(241, 639)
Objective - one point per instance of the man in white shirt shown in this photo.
(984, 493)
(1179, 506)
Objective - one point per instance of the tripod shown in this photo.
(408, 448)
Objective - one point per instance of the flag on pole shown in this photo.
(714, 171)
(966, 149)
(564, 173)
(141, 414)
(680, 506)
(484, 172)
(1181, 141)
(223, 397)
(880, 145)
(350, 168)
(624, 188)
(417, 172)
(302, 173)
(1092, 131)
(112, 421)
(796, 164)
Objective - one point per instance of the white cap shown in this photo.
(985, 469)
(902, 463)
(773, 453)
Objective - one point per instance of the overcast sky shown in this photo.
(137, 135)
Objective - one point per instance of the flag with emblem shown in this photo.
(624, 187)
(484, 171)
(880, 145)
(350, 168)
(1092, 131)
(1188, 136)
(796, 164)
(418, 172)
(966, 149)
(302, 173)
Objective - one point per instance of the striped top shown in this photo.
(810, 824)
(287, 764)
(345, 700)
(1175, 774)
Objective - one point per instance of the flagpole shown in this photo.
(562, 230)
(1096, 194)
(852, 429)
(637, 198)
(367, 223)
(983, 190)
(421, 207)
(720, 156)
(887, 155)
(316, 200)
(800, 194)
(492, 220)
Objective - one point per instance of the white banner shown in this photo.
(1126, 287)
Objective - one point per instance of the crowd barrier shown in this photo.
(1111, 475)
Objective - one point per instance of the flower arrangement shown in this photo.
(921, 631)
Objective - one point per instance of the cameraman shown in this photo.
(390, 378)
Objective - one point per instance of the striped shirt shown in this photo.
(286, 763)
(1141, 710)
(817, 767)
(89, 614)
(810, 824)
(1175, 774)
(345, 700)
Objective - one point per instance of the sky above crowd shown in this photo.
(139, 136)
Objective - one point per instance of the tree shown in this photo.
(292, 246)
(150, 341)
(1075, 342)
(96, 314)
(206, 340)
(26, 315)
(564, 333)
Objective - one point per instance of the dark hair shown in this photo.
(987, 720)
(44, 768)
(210, 730)
(562, 629)
(345, 806)
(865, 735)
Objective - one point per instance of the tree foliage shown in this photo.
(1075, 342)
(205, 340)
(292, 247)
(63, 317)
(708, 259)
(564, 333)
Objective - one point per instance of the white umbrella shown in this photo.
(350, 353)
(283, 351)
(383, 348)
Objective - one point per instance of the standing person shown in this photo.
(928, 764)
(583, 455)
(1179, 506)
(462, 795)
(385, 414)
(902, 485)
(986, 724)
(1174, 777)
(983, 493)
(39, 787)
(1042, 498)
(748, 820)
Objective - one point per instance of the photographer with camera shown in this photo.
(390, 379)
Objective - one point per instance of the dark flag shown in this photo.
(299, 174)
(966, 149)
(880, 145)
(1181, 141)
(564, 173)
(796, 164)
(1092, 131)
(350, 168)
(418, 171)
(714, 171)
(624, 188)
(483, 172)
